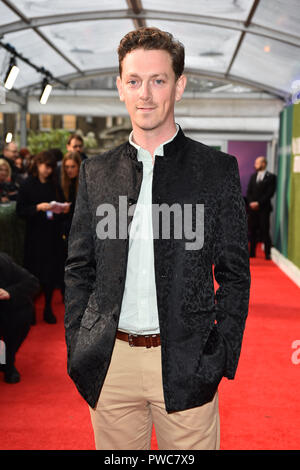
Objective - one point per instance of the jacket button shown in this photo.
(120, 279)
(131, 201)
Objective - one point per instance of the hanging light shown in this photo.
(12, 74)
(8, 137)
(46, 90)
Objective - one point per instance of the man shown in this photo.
(10, 153)
(148, 341)
(261, 189)
(17, 288)
(75, 143)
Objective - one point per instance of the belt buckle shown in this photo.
(154, 339)
(148, 341)
(130, 339)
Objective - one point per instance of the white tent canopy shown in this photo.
(247, 42)
(242, 57)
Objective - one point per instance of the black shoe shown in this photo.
(268, 257)
(49, 316)
(12, 376)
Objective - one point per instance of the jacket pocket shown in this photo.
(214, 355)
(90, 317)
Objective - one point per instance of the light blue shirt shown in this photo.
(139, 314)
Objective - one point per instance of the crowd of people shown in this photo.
(44, 188)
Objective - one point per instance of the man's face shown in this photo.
(75, 146)
(149, 90)
(259, 164)
(11, 151)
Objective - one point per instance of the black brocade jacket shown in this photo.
(201, 331)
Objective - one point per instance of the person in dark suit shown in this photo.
(261, 189)
(148, 339)
(17, 289)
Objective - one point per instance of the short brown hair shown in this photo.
(149, 39)
(76, 137)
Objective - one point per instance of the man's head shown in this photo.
(75, 143)
(153, 39)
(260, 163)
(11, 151)
(151, 64)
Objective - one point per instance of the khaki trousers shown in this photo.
(131, 401)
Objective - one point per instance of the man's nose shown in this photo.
(145, 92)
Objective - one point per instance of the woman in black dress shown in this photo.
(69, 182)
(69, 178)
(43, 241)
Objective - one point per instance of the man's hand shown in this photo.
(4, 295)
(254, 205)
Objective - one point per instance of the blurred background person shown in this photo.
(261, 189)
(8, 188)
(69, 183)
(27, 160)
(59, 157)
(10, 153)
(75, 143)
(43, 244)
(17, 289)
(22, 174)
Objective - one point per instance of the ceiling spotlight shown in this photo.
(12, 74)
(8, 137)
(46, 90)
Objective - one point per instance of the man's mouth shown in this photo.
(146, 108)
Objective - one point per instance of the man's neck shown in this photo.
(150, 140)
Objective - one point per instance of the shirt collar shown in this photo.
(142, 153)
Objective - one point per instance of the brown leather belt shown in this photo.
(147, 341)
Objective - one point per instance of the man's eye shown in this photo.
(132, 82)
(159, 81)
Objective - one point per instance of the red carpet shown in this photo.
(259, 409)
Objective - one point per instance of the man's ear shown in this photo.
(120, 88)
(180, 86)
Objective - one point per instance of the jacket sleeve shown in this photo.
(269, 192)
(80, 264)
(231, 267)
(22, 285)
